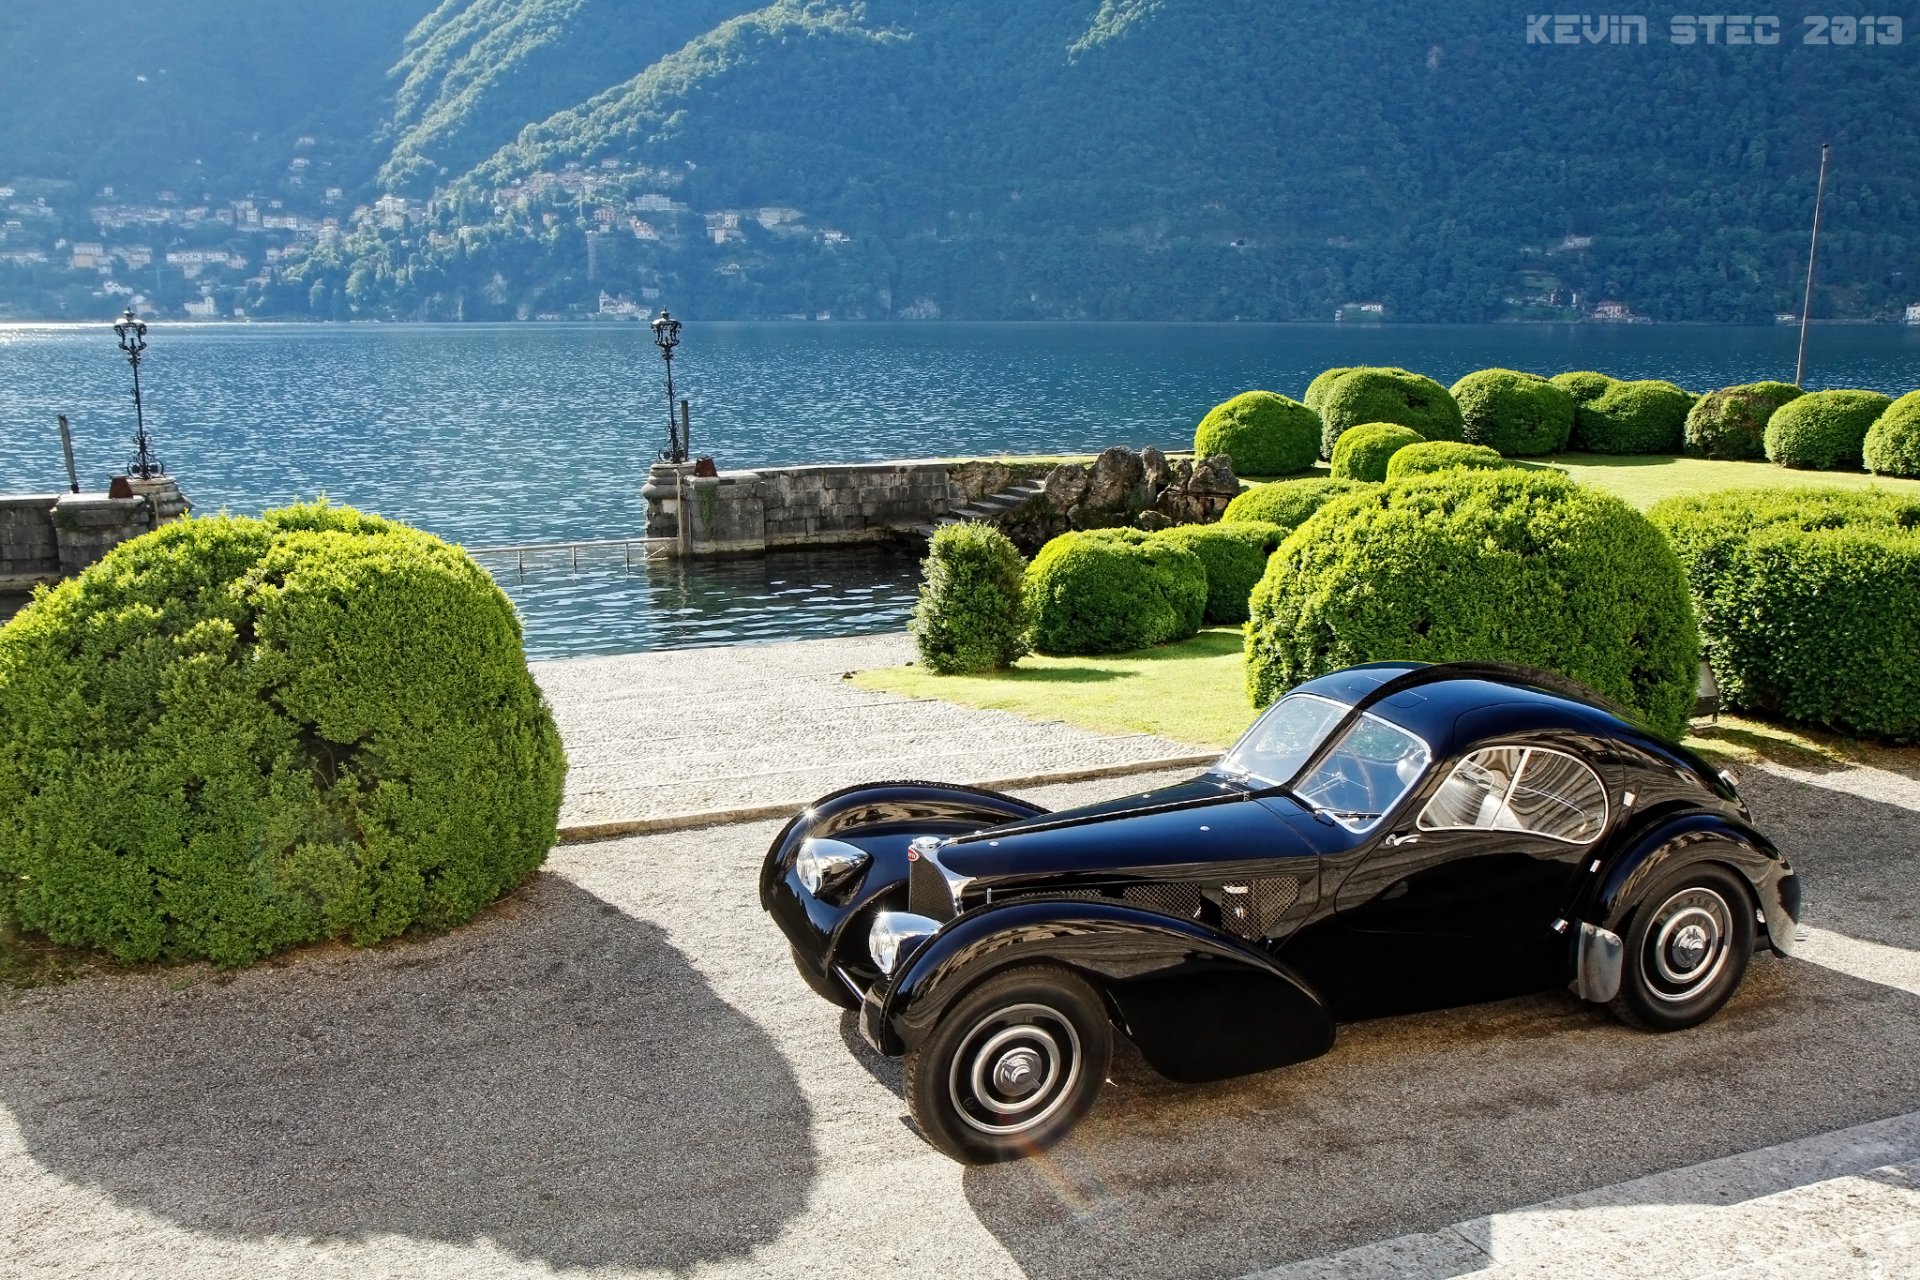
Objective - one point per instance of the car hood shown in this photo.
(1168, 831)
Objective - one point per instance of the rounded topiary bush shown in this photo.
(1443, 455)
(1112, 590)
(1286, 503)
(1315, 396)
(1806, 601)
(1514, 565)
(1517, 414)
(1583, 384)
(1731, 423)
(231, 736)
(1234, 555)
(1265, 434)
(1387, 395)
(1823, 430)
(1892, 446)
(1362, 452)
(971, 615)
(1633, 417)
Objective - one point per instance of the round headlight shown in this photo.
(827, 863)
(896, 935)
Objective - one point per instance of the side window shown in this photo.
(1520, 789)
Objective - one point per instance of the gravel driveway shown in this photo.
(617, 1070)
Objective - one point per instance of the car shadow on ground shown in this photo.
(1412, 1123)
(555, 1079)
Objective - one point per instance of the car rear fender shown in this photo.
(911, 808)
(1674, 840)
(1199, 1004)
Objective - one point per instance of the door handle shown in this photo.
(1411, 837)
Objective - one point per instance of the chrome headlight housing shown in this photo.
(828, 865)
(895, 936)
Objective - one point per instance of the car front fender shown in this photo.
(1200, 1005)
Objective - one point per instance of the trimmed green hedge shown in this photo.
(1111, 591)
(1824, 430)
(1633, 417)
(1442, 455)
(1362, 452)
(1234, 555)
(1513, 565)
(1387, 395)
(1731, 423)
(1807, 601)
(1583, 384)
(1518, 414)
(1892, 446)
(971, 615)
(1315, 395)
(231, 736)
(1286, 503)
(1265, 434)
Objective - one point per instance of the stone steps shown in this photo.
(989, 508)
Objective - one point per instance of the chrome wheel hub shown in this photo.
(1686, 946)
(1017, 1073)
(1014, 1069)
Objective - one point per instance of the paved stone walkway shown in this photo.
(656, 736)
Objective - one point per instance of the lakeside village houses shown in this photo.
(221, 255)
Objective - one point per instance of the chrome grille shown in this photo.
(927, 892)
(1254, 908)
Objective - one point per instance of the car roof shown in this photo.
(1437, 701)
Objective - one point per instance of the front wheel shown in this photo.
(1686, 949)
(1011, 1067)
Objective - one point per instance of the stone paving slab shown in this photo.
(655, 736)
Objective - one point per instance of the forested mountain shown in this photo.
(1061, 158)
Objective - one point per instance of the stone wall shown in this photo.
(29, 553)
(48, 536)
(853, 502)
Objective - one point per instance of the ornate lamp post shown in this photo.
(132, 332)
(666, 336)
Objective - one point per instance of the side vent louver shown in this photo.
(1254, 908)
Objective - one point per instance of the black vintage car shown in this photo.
(1386, 838)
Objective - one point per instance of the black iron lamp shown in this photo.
(666, 336)
(132, 332)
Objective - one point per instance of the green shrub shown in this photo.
(1387, 395)
(971, 615)
(1111, 591)
(1286, 503)
(1315, 395)
(1517, 414)
(1264, 434)
(1583, 384)
(231, 736)
(1823, 431)
(1362, 452)
(1892, 446)
(1806, 601)
(1234, 556)
(1514, 565)
(1633, 417)
(1442, 455)
(1731, 423)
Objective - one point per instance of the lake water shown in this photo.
(491, 435)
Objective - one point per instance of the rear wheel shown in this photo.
(1686, 949)
(1012, 1066)
(827, 986)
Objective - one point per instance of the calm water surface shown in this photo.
(508, 434)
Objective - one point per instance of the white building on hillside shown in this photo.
(1913, 314)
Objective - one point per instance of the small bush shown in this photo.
(971, 615)
(1583, 385)
(1387, 395)
(1234, 555)
(231, 736)
(1633, 417)
(1892, 446)
(1806, 601)
(1362, 452)
(1111, 591)
(1315, 396)
(1442, 455)
(1286, 503)
(1823, 431)
(1731, 423)
(1517, 414)
(1513, 565)
(1264, 434)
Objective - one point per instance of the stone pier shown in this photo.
(45, 537)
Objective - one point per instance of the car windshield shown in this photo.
(1356, 782)
(1280, 741)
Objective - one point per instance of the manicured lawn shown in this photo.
(1192, 692)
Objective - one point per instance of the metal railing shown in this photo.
(650, 549)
